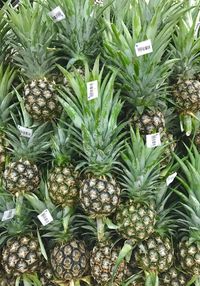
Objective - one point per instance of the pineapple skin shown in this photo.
(149, 122)
(102, 261)
(21, 176)
(136, 220)
(189, 256)
(21, 255)
(3, 146)
(155, 254)
(40, 100)
(187, 95)
(69, 260)
(99, 196)
(63, 185)
(173, 277)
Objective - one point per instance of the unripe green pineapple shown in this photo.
(35, 58)
(21, 251)
(68, 254)
(62, 178)
(21, 173)
(188, 247)
(98, 146)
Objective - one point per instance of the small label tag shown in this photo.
(45, 217)
(26, 132)
(57, 14)
(153, 140)
(143, 48)
(171, 178)
(92, 89)
(9, 214)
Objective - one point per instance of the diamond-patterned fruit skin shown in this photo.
(21, 176)
(102, 261)
(189, 256)
(46, 275)
(99, 197)
(63, 186)
(2, 152)
(187, 95)
(70, 260)
(149, 122)
(41, 101)
(155, 254)
(173, 277)
(135, 220)
(21, 255)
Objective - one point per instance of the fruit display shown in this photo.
(99, 143)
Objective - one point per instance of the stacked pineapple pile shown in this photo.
(99, 143)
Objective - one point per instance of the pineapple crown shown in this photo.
(7, 77)
(18, 218)
(141, 168)
(186, 44)
(79, 35)
(4, 37)
(144, 78)
(31, 147)
(101, 138)
(32, 40)
(61, 227)
(190, 201)
(61, 144)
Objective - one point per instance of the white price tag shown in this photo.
(45, 217)
(153, 140)
(26, 132)
(92, 89)
(171, 178)
(143, 48)
(57, 14)
(9, 214)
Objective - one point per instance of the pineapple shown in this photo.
(143, 78)
(21, 252)
(98, 146)
(21, 172)
(185, 90)
(156, 253)
(33, 36)
(5, 36)
(174, 277)
(189, 247)
(136, 217)
(7, 77)
(104, 252)
(62, 179)
(68, 254)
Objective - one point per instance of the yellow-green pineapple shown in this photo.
(98, 138)
(21, 173)
(33, 36)
(63, 183)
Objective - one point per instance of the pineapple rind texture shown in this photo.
(21, 255)
(102, 261)
(63, 185)
(189, 255)
(136, 221)
(173, 277)
(99, 197)
(69, 260)
(41, 101)
(155, 254)
(21, 176)
(150, 122)
(187, 95)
